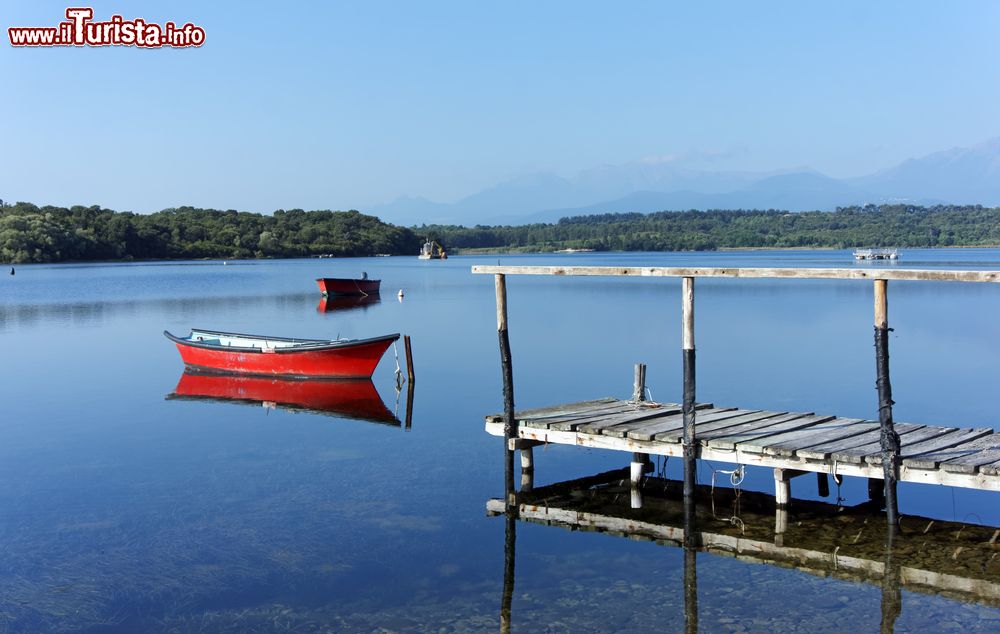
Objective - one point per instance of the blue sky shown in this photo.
(345, 105)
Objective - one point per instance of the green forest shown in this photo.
(54, 234)
(29, 233)
(848, 227)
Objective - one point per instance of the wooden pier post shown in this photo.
(822, 484)
(640, 461)
(527, 460)
(510, 422)
(639, 385)
(687, 346)
(409, 358)
(888, 438)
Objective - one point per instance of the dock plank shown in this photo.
(954, 437)
(729, 437)
(622, 428)
(829, 431)
(651, 428)
(581, 416)
(601, 421)
(825, 450)
(581, 405)
(859, 454)
(764, 437)
(962, 458)
(701, 427)
(992, 469)
(556, 411)
(785, 444)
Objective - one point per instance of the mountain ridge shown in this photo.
(969, 175)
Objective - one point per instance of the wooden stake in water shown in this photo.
(888, 437)
(510, 422)
(687, 346)
(409, 358)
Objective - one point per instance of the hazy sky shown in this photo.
(340, 105)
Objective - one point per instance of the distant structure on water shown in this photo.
(432, 251)
(876, 254)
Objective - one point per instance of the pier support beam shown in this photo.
(783, 485)
(527, 460)
(509, 421)
(888, 438)
(687, 347)
(640, 461)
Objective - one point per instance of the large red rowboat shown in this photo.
(281, 356)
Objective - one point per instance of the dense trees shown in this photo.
(868, 226)
(52, 234)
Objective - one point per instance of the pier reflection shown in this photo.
(954, 560)
(354, 399)
(346, 302)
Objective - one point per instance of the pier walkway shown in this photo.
(792, 443)
(787, 441)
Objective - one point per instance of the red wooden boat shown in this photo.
(342, 398)
(282, 356)
(348, 286)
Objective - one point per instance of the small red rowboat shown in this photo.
(281, 356)
(343, 399)
(347, 286)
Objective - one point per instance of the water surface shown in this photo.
(124, 510)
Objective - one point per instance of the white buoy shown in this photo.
(400, 294)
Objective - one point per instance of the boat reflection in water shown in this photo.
(344, 398)
(346, 302)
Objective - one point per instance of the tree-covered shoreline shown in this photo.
(57, 234)
(29, 233)
(849, 227)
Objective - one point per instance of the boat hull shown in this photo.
(346, 286)
(345, 360)
(357, 399)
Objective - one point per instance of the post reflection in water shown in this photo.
(935, 557)
(509, 543)
(351, 398)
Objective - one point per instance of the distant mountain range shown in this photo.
(958, 176)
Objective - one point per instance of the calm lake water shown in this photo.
(124, 510)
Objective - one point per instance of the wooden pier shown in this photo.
(791, 443)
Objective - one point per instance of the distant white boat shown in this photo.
(876, 254)
(575, 251)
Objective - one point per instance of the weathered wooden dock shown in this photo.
(792, 443)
